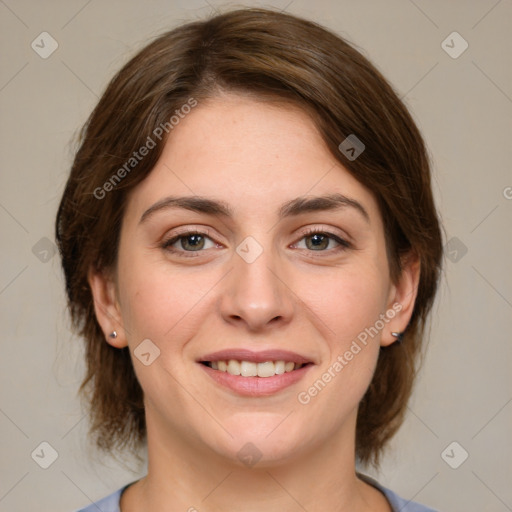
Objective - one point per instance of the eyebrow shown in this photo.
(291, 208)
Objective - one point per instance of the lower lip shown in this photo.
(256, 386)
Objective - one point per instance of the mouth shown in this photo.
(263, 370)
(255, 373)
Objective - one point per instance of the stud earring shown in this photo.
(399, 336)
(113, 334)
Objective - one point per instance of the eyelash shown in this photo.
(343, 244)
(167, 244)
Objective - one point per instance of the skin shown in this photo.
(254, 156)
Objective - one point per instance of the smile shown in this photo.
(265, 369)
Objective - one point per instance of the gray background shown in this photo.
(463, 107)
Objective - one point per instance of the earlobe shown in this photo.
(402, 300)
(106, 307)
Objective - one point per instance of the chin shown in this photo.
(260, 444)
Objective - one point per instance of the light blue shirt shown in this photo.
(398, 504)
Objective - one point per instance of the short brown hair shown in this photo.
(269, 55)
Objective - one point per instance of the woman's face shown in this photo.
(267, 275)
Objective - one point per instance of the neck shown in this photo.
(186, 476)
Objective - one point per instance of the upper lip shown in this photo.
(240, 354)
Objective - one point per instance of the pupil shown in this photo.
(194, 241)
(319, 240)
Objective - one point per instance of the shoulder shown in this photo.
(108, 504)
(111, 502)
(397, 503)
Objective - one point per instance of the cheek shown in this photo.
(346, 300)
(156, 302)
(347, 304)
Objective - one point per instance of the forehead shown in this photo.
(253, 154)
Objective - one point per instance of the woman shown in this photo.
(251, 250)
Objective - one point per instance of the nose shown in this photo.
(256, 295)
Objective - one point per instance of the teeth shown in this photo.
(233, 367)
(248, 369)
(267, 369)
(251, 369)
(279, 367)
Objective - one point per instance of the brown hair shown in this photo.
(270, 55)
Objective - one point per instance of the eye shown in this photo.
(190, 241)
(321, 241)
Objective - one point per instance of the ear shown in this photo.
(106, 307)
(402, 298)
